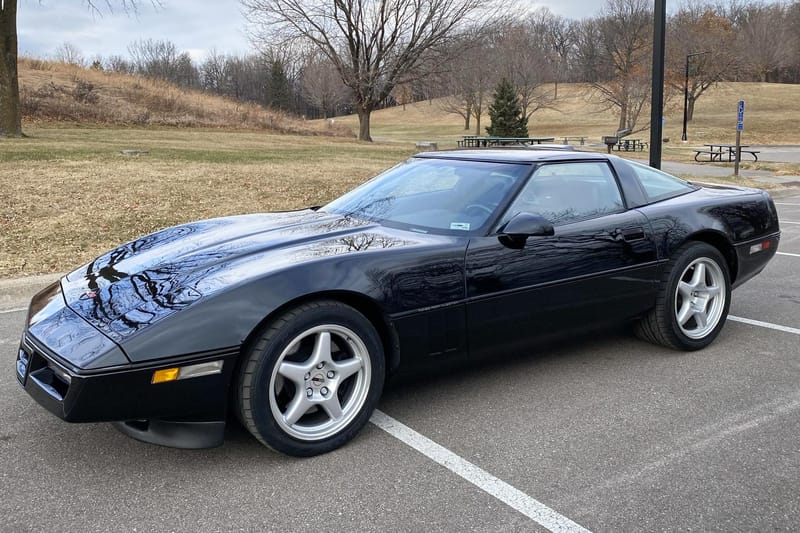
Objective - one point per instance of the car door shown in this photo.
(599, 265)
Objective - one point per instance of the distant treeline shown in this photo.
(721, 41)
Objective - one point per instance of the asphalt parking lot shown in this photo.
(605, 432)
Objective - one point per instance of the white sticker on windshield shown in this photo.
(464, 226)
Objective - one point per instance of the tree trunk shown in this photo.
(10, 118)
(690, 108)
(623, 115)
(478, 125)
(363, 124)
(467, 116)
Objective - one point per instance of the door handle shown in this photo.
(628, 234)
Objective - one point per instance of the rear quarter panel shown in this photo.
(735, 216)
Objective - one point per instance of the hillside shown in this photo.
(56, 92)
(772, 113)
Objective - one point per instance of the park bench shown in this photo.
(579, 139)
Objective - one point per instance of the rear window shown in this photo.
(659, 185)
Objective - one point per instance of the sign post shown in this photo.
(739, 128)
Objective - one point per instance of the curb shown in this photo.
(17, 292)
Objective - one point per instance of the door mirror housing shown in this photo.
(523, 225)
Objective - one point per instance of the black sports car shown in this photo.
(293, 320)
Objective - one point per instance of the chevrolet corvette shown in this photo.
(292, 321)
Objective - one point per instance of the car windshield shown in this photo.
(433, 195)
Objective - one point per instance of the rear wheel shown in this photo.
(693, 302)
(312, 379)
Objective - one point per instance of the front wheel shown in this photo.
(312, 380)
(693, 301)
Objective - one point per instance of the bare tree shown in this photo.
(705, 41)
(70, 54)
(374, 44)
(10, 115)
(117, 63)
(557, 36)
(624, 64)
(528, 68)
(588, 51)
(458, 82)
(765, 39)
(322, 87)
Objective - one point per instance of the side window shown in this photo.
(658, 185)
(568, 192)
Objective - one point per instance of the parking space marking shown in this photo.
(769, 325)
(789, 222)
(513, 497)
(17, 310)
(785, 203)
(787, 253)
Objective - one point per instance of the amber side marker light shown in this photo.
(185, 372)
(165, 374)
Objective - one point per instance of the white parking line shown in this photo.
(17, 310)
(515, 498)
(786, 203)
(787, 253)
(789, 222)
(759, 323)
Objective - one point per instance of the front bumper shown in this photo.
(123, 394)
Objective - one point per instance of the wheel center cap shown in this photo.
(318, 380)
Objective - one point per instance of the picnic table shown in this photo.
(630, 145)
(474, 141)
(576, 138)
(722, 151)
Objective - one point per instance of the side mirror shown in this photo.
(523, 225)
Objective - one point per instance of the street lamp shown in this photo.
(686, 92)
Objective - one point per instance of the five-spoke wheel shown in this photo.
(312, 379)
(693, 301)
(700, 298)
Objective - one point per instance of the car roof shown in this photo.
(514, 155)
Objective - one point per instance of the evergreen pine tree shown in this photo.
(505, 113)
(280, 94)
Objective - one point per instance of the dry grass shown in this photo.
(772, 112)
(52, 91)
(68, 194)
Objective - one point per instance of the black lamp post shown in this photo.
(686, 93)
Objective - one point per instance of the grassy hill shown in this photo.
(57, 92)
(772, 114)
(69, 192)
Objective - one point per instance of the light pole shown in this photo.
(686, 92)
(657, 95)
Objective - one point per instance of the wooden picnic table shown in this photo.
(722, 151)
(473, 141)
(630, 145)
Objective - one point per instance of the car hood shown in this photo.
(149, 278)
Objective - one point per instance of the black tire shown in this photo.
(288, 366)
(663, 324)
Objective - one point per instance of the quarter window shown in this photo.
(568, 192)
(659, 185)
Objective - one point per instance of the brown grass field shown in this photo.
(68, 194)
(771, 114)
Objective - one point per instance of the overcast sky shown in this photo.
(194, 26)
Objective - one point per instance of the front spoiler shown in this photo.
(191, 435)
